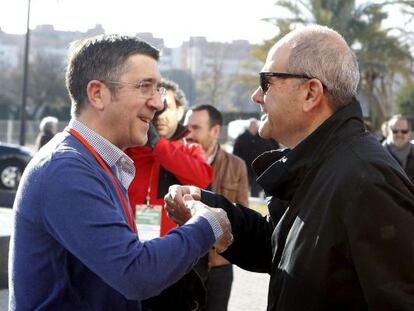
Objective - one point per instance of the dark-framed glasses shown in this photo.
(266, 75)
(146, 88)
(402, 131)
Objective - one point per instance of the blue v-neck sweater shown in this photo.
(71, 247)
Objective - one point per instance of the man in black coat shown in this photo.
(340, 229)
(248, 146)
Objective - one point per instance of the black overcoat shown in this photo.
(340, 229)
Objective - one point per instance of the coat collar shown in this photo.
(281, 171)
(181, 132)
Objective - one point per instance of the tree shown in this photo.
(405, 100)
(247, 83)
(9, 94)
(405, 30)
(215, 87)
(46, 85)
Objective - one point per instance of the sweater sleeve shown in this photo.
(83, 213)
(186, 162)
(251, 249)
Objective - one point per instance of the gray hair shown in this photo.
(49, 124)
(104, 57)
(323, 53)
(398, 117)
(179, 95)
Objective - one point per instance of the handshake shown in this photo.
(183, 202)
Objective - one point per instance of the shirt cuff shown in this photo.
(212, 219)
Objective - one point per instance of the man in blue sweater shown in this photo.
(74, 245)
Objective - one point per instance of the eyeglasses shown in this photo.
(402, 131)
(147, 88)
(265, 78)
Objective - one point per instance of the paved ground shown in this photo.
(4, 299)
(249, 292)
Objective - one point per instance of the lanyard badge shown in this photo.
(148, 220)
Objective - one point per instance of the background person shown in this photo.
(166, 159)
(47, 130)
(230, 179)
(339, 233)
(74, 244)
(248, 146)
(398, 143)
(384, 131)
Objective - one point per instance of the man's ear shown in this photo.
(216, 130)
(96, 92)
(313, 95)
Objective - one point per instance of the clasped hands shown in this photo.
(183, 202)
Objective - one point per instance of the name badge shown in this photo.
(148, 221)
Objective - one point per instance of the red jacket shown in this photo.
(176, 162)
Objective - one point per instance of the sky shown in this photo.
(173, 20)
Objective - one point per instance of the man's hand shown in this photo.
(181, 203)
(175, 205)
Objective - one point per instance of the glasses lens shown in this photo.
(396, 131)
(264, 83)
(146, 88)
(162, 90)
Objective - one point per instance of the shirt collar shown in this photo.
(114, 157)
(213, 155)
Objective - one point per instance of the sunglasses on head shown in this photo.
(402, 131)
(265, 78)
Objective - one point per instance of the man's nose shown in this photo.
(257, 96)
(157, 102)
(189, 136)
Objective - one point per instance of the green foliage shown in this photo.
(9, 95)
(405, 100)
(46, 89)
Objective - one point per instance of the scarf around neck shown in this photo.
(401, 154)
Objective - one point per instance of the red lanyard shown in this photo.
(148, 197)
(105, 167)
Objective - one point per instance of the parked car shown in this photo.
(13, 160)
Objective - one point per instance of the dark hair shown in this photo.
(103, 57)
(179, 95)
(215, 117)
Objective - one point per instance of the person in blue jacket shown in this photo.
(75, 244)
